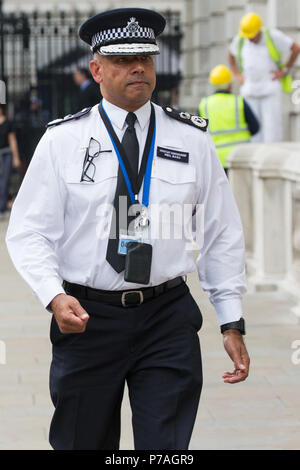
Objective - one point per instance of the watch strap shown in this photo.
(235, 325)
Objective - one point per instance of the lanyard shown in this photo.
(134, 184)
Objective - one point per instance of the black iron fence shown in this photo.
(39, 53)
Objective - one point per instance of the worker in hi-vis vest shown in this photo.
(231, 120)
(256, 58)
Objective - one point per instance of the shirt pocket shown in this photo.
(88, 197)
(173, 182)
(105, 166)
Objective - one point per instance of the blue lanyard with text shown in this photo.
(118, 149)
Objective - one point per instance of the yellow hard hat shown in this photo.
(250, 25)
(220, 75)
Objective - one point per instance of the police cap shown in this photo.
(124, 31)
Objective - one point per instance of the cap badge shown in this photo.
(133, 25)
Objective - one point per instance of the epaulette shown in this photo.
(188, 118)
(69, 117)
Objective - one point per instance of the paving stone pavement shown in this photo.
(261, 413)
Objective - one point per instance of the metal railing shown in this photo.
(39, 53)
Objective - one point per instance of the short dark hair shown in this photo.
(84, 72)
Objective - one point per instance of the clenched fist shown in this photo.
(69, 314)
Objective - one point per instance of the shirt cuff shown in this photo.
(228, 310)
(48, 290)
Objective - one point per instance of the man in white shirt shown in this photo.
(121, 309)
(255, 56)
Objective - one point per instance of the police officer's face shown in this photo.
(126, 81)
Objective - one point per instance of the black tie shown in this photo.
(131, 147)
(130, 144)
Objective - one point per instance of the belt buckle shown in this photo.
(123, 298)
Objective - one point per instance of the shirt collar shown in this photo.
(118, 115)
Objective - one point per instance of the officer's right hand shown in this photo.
(69, 314)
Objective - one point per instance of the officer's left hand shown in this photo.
(236, 350)
(278, 74)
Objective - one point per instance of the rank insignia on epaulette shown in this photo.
(69, 117)
(187, 118)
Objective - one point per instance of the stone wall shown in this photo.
(210, 25)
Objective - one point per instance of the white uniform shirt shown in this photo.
(53, 234)
(258, 65)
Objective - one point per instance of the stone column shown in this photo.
(240, 163)
(186, 92)
(272, 189)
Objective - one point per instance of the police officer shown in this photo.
(231, 120)
(121, 309)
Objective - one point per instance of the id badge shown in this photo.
(124, 239)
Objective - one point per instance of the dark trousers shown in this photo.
(5, 171)
(155, 348)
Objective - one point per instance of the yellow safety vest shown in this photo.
(227, 123)
(275, 54)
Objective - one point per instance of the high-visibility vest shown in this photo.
(275, 54)
(227, 123)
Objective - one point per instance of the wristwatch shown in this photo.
(234, 325)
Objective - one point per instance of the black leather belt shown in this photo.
(128, 298)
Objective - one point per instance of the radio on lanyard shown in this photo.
(138, 255)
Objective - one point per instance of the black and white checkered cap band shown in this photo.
(121, 33)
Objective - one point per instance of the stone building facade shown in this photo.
(87, 5)
(210, 25)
